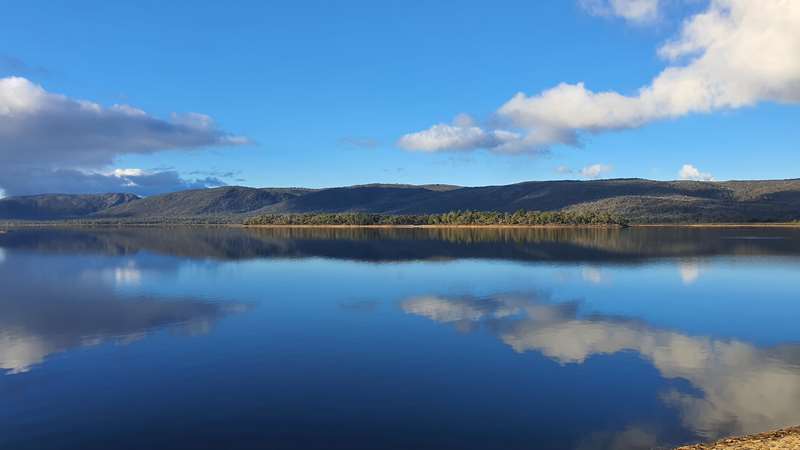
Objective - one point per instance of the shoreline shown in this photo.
(666, 225)
(58, 224)
(721, 225)
(61, 224)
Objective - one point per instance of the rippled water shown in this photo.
(394, 339)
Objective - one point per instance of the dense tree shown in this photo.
(450, 218)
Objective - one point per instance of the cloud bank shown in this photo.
(734, 54)
(49, 139)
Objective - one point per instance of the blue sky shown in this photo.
(321, 93)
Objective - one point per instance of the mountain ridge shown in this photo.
(639, 200)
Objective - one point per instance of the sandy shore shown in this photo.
(786, 439)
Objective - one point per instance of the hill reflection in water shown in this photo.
(406, 244)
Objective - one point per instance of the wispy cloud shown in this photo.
(564, 170)
(635, 11)
(359, 142)
(216, 173)
(11, 65)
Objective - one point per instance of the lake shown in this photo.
(210, 338)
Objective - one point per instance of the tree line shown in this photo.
(451, 218)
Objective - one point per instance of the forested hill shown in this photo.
(637, 200)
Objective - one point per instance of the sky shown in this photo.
(151, 97)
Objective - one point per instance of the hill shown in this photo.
(59, 206)
(229, 200)
(638, 200)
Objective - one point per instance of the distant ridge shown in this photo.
(59, 206)
(638, 200)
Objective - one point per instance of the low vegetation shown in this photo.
(450, 218)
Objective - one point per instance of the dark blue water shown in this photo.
(212, 338)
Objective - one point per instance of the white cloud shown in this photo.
(595, 170)
(636, 11)
(734, 54)
(121, 173)
(463, 134)
(42, 134)
(690, 172)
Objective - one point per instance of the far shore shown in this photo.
(666, 225)
(723, 225)
(65, 224)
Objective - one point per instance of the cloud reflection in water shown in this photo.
(51, 305)
(745, 389)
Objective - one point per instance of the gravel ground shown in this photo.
(786, 439)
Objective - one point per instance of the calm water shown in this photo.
(397, 339)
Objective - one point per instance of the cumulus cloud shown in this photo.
(462, 134)
(744, 388)
(690, 172)
(595, 170)
(47, 135)
(636, 11)
(734, 54)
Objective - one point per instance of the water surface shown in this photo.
(393, 339)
